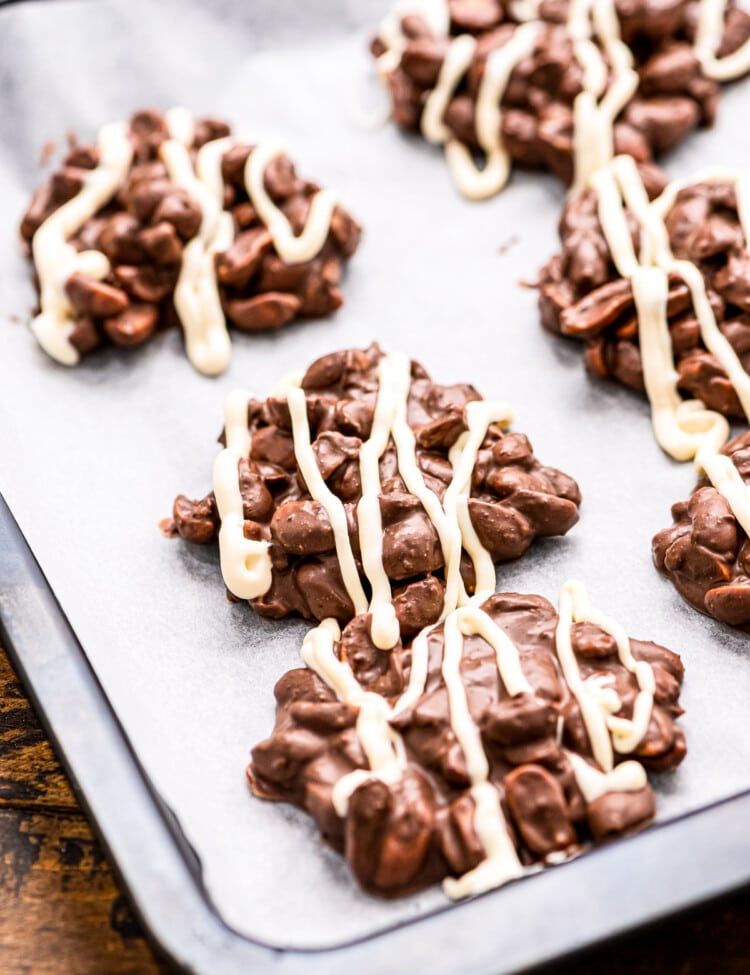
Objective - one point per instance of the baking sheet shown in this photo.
(92, 458)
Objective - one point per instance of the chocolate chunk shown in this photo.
(262, 313)
(415, 824)
(195, 520)
(94, 298)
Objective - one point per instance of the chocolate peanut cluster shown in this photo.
(144, 230)
(513, 499)
(706, 552)
(583, 297)
(403, 834)
(673, 96)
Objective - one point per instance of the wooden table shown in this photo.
(62, 912)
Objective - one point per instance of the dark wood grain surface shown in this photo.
(62, 912)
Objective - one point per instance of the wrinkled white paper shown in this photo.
(93, 457)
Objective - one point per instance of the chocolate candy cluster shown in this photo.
(400, 833)
(513, 499)
(144, 230)
(583, 297)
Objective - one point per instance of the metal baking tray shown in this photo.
(151, 685)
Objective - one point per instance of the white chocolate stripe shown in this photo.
(628, 776)
(196, 295)
(454, 67)
(501, 864)
(712, 337)
(384, 747)
(474, 182)
(451, 519)
(682, 427)
(420, 659)
(180, 125)
(320, 492)
(715, 174)
(525, 10)
(245, 562)
(56, 260)
(291, 249)
(462, 724)
(394, 374)
(473, 621)
(479, 415)
(727, 480)
(716, 343)
(598, 706)
(449, 532)
(708, 36)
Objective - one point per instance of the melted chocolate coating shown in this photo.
(514, 498)
(706, 552)
(673, 97)
(583, 297)
(144, 229)
(402, 836)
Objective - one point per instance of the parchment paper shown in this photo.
(90, 459)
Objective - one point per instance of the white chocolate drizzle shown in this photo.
(386, 753)
(685, 429)
(245, 562)
(474, 182)
(196, 297)
(708, 36)
(626, 777)
(394, 375)
(501, 863)
(609, 82)
(480, 414)
(291, 249)
(382, 745)
(450, 518)
(320, 492)
(597, 106)
(180, 125)
(56, 259)
(599, 704)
